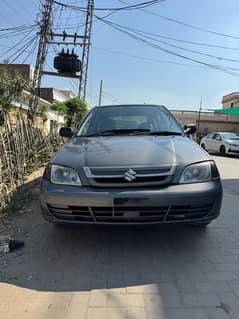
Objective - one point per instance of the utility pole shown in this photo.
(48, 37)
(199, 117)
(45, 25)
(100, 94)
(86, 50)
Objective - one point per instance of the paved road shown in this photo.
(174, 272)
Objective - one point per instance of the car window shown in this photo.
(230, 136)
(86, 126)
(217, 137)
(152, 118)
(210, 135)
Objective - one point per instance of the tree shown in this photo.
(60, 107)
(76, 109)
(11, 87)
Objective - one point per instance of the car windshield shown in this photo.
(137, 119)
(230, 136)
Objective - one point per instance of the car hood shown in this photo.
(129, 151)
(233, 141)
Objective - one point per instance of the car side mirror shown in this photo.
(66, 132)
(190, 129)
(218, 138)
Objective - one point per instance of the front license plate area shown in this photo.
(133, 202)
(128, 207)
(129, 214)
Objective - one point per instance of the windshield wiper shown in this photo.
(119, 131)
(131, 132)
(164, 133)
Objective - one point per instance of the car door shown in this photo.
(216, 142)
(208, 142)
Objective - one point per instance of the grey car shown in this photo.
(131, 164)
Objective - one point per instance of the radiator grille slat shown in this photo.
(131, 214)
(121, 176)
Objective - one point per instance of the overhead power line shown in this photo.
(141, 33)
(44, 29)
(186, 41)
(32, 50)
(157, 60)
(19, 27)
(145, 41)
(186, 24)
(128, 7)
(21, 41)
(50, 33)
(193, 26)
(15, 31)
(25, 47)
(11, 48)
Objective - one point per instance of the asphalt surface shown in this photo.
(163, 272)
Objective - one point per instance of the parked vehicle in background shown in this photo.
(221, 142)
(131, 164)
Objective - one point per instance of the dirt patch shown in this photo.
(24, 194)
(21, 221)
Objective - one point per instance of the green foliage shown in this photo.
(73, 109)
(43, 108)
(76, 109)
(11, 87)
(60, 107)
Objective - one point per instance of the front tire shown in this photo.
(222, 150)
(203, 146)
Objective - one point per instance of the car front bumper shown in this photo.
(233, 149)
(185, 203)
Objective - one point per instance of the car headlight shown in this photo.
(64, 175)
(200, 172)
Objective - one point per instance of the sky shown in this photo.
(132, 71)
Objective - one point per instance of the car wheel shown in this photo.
(203, 146)
(222, 150)
(200, 224)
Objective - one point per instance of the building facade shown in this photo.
(56, 95)
(48, 120)
(208, 122)
(231, 100)
(25, 70)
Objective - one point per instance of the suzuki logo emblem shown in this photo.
(130, 175)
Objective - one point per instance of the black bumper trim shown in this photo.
(130, 215)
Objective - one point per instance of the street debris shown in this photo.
(225, 307)
(9, 244)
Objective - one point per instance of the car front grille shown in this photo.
(129, 177)
(130, 214)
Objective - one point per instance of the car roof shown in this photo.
(224, 133)
(133, 105)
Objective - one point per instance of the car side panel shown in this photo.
(208, 144)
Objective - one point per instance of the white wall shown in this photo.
(53, 116)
